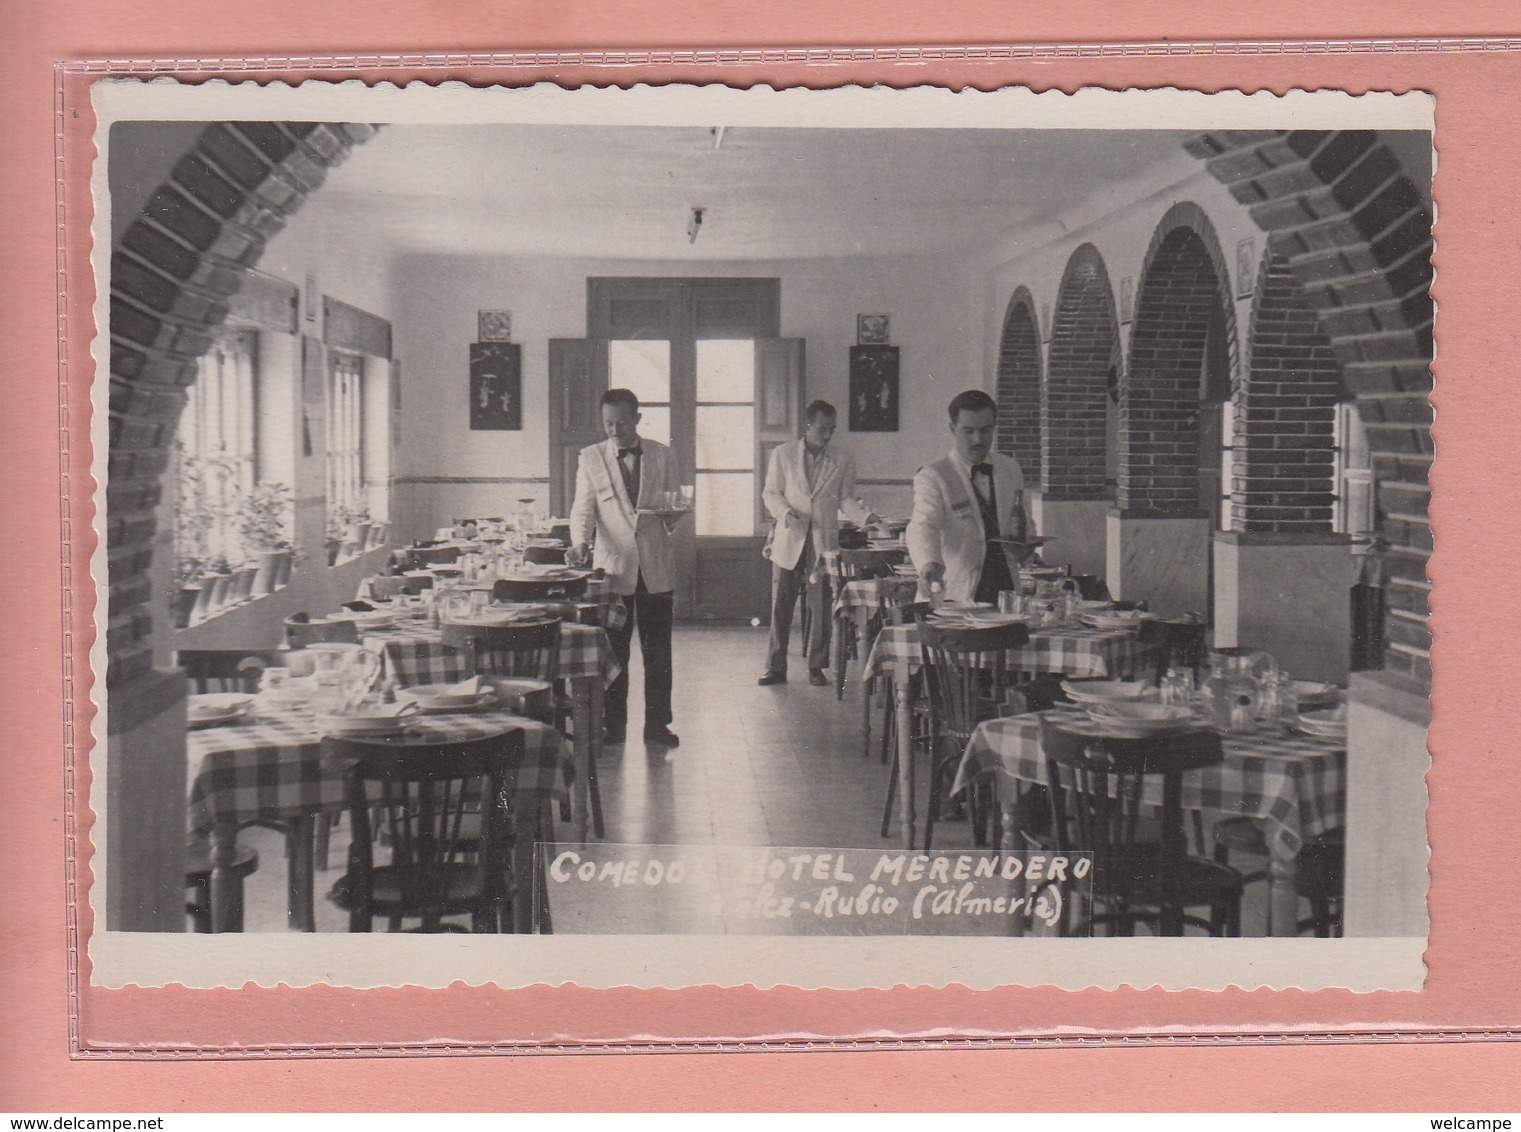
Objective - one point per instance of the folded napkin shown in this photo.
(470, 687)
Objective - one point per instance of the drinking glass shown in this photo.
(688, 495)
(1009, 601)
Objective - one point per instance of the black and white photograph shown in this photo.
(1081, 642)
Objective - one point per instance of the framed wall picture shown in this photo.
(496, 386)
(872, 330)
(874, 389)
(494, 326)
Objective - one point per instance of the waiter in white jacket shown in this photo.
(962, 502)
(615, 479)
(808, 484)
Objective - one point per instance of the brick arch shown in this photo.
(1285, 412)
(1019, 385)
(172, 272)
(1183, 288)
(1085, 345)
(1356, 232)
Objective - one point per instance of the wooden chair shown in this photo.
(442, 810)
(386, 586)
(544, 555)
(1096, 786)
(198, 885)
(300, 631)
(1319, 872)
(531, 651)
(538, 589)
(1176, 643)
(226, 670)
(434, 556)
(965, 676)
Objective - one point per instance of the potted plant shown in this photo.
(216, 586)
(338, 519)
(358, 534)
(264, 521)
(187, 592)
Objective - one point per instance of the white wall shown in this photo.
(436, 300)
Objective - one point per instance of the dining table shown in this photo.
(1294, 784)
(1074, 650)
(267, 768)
(586, 662)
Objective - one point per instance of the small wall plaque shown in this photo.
(494, 326)
(871, 330)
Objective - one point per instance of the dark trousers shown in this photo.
(785, 587)
(652, 614)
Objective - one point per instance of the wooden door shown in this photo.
(577, 380)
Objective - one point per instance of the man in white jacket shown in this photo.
(962, 502)
(808, 484)
(615, 480)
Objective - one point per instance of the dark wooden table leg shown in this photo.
(301, 910)
(224, 882)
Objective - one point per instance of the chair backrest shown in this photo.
(435, 555)
(226, 670)
(392, 585)
(1096, 786)
(301, 633)
(442, 808)
(964, 671)
(851, 565)
(545, 555)
(413, 662)
(1176, 643)
(510, 650)
(538, 589)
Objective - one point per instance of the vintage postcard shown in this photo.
(1112, 664)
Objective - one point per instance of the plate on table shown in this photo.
(990, 618)
(1138, 719)
(1328, 724)
(1315, 693)
(1116, 619)
(439, 699)
(362, 726)
(1107, 691)
(210, 708)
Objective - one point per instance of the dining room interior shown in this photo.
(359, 384)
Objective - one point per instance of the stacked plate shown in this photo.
(1328, 724)
(435, 699)
(991, 617)
(367, 722)
(1115, 618)
(212, 708)
(1108, 691)
(1136, 720)
(1315, 694)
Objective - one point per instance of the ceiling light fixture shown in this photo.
(694, 225)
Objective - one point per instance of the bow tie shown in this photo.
(983, 469)
(636, 450)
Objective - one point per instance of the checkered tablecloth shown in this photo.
(1296, 784)
(417, 649)
(271, 768)
(862, 599)
(1078, 651)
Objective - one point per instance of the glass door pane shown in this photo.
(725, 504)
(726, 370)
(726, 437)
(643, 367)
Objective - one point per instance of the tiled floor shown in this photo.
(756, 766)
